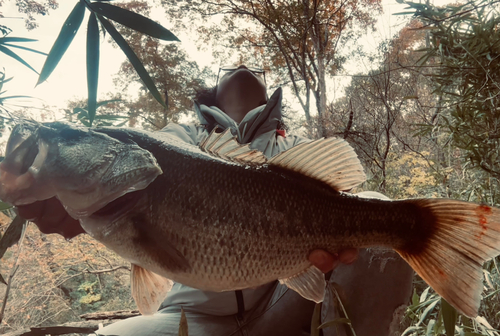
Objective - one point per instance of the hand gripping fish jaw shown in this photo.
(181, 226)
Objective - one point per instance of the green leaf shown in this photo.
(16, 39)
(414, 298)
(133, 20)
(4, 206)
(110, 117)
(449, 317)
(472, 334)
(429, 331)
(183, 325)
(423, 296)
(92, 65)
(25, 48)
(409, 330)
(141, 71)
(427, 310)
(340, 320)
(68, 32)
(12, 234)
(438, 326)
(105, 102)
(316, 320)
(17, 96)
(12, 54)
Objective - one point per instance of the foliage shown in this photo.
(464, 46)
(297, 40)
(431, 315)
(31, 8)
(378, 112)
(78, 112)
(172, 71)
(71, 278)
(100, 13)
(7, 41)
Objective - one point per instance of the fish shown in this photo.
(221, 216)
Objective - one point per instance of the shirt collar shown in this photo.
(260, 120)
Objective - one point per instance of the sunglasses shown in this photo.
(233, 68)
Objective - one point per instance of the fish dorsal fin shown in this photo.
(332, 161)
(148, 289)
(225, 146)
(309, 283)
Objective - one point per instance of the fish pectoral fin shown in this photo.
(332, 161)
(309, 283)
(148, 289)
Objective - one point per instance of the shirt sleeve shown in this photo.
(188, 133)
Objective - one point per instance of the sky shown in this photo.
(68, 81)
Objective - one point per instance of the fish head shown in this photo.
(83, 168)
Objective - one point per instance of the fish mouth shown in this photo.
(120, 206)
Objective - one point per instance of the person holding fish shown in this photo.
(240, 217)
(238, 102)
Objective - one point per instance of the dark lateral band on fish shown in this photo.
(225, 217)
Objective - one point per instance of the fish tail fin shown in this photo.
(464, 235)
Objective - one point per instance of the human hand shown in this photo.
(51, 217)
(326, 261)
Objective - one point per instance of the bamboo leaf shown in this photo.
(423, 296)
(12, 234)
(110, 117)
(449, 317)
(25, 48)
(105, 102)
(12, 54)
(133, 20)
(427, 310)
(92, 65)
(316, 320)
(16, 39)
(4, 206)
(141, 71)
(340, 320)
(183, 326)
(17, 96)
(68, 32)
(414, 298)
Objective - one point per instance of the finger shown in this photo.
(51, 217)
(323, 260)
(56, 219)
(348, 255)
(30, 211)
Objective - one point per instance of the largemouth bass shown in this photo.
(224, 217)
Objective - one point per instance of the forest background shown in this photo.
(425, 123)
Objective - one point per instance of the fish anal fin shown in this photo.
(464, 236)
(332, 161)
(225, 146)
(148, 289)
(310, 284)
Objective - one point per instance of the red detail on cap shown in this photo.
(281, 132)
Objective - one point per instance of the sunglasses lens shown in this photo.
(231, 68)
